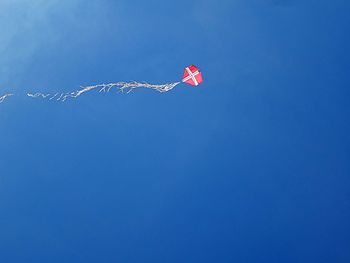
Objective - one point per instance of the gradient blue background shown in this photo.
(251, 166)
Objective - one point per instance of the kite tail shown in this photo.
(2, 98)
(121, 86)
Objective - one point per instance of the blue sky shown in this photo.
(251, 166)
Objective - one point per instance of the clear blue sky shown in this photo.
(251, 166)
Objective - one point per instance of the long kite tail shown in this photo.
(121, 86)
(2, 98)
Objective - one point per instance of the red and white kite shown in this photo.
(192, 76)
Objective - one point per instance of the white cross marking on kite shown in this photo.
(191, 76)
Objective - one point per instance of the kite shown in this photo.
(192, 76)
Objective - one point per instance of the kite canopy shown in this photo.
(192, 76)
